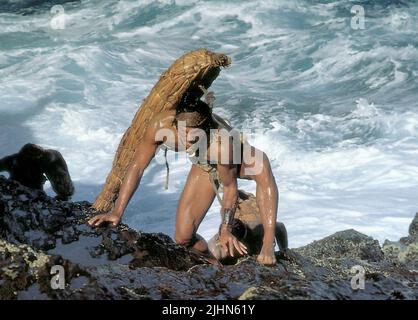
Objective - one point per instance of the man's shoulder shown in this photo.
(162, 120)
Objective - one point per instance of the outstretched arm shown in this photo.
(267, 201)
(144, 153)
(55, 168)
(228, 177)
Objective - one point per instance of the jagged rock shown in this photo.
(343, 250)
(348, 244)
(38, 232)
(404, 251)
(59, 228)
(19, 267)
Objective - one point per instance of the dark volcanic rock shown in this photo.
(38, 232)
(58, 227)
(348, 244)
(405, 251)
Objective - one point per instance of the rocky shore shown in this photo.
(38, 232)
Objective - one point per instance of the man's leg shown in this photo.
(195, 201)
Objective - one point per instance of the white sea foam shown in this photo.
(334, 109)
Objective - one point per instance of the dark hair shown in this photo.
(191, 102)
(31, 151)
(194, 107)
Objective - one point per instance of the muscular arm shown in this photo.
(144, 153)
(227, 172)
(228, 176)
(55, 168)
(267, 201)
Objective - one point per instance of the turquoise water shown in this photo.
(334, 108)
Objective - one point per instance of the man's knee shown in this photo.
(188, 242)
(195, 242)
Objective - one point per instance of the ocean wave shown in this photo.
(334, 108)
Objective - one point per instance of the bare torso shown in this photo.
(166, 134)
(198, 193)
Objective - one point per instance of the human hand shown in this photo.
(229, 242)
(107, 217)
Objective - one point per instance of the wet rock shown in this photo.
(404, 251)
(38, 232)
(59, 227)
(19, 268)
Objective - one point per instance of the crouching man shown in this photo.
(33, 165)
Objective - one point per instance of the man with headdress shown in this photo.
(213, 150)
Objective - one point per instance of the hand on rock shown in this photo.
(230, 243)
(108, 217)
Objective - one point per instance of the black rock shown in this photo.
(38, 232)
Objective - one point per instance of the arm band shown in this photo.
(228, 216)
